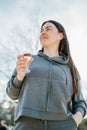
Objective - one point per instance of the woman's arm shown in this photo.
(15, 83)
(14, 86)
(79, 105)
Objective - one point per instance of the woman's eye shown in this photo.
(48, 29)
(45, 30)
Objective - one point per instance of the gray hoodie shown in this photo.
(47, 91)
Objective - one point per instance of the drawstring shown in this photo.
(45, 124)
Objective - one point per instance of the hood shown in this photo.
(62, 59)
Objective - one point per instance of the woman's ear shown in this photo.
(61, 36)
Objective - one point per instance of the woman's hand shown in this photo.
(77, 117)
(3, 123)
(21, 64)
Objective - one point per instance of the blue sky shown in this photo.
(5, 3)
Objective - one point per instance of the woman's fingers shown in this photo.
(23, 62)
(30, 61)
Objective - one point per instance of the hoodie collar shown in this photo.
(62, 59)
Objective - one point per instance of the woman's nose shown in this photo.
(43, 31)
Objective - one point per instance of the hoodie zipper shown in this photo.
(49, 85)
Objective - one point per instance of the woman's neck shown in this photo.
(51, 52)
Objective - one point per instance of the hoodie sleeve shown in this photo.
(14, 86)
(79, 102)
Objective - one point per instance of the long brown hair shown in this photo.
(64, 49)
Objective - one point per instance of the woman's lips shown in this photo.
(44, 37)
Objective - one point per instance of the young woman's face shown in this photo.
(49, 35)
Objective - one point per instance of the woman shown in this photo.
(49, 97)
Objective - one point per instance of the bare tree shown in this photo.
(18, 40)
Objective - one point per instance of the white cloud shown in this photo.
(72, 14)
